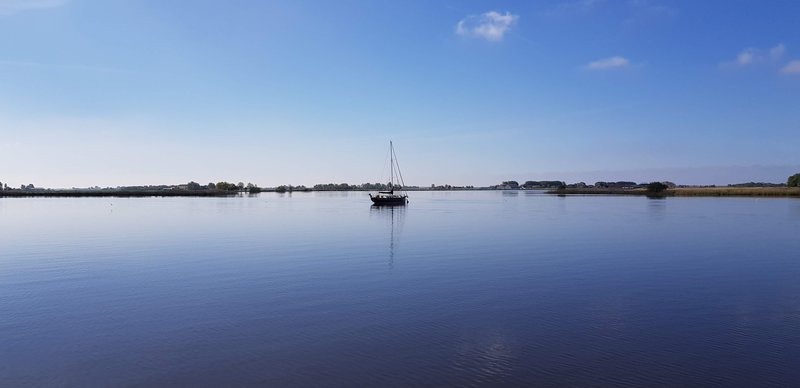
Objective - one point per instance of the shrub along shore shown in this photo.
(118, 193)
(688, 192)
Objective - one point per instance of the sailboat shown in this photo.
(389, 198)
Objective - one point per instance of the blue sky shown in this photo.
(299, 92)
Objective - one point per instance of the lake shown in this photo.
(458, 288)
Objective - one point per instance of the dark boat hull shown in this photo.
(388, 201)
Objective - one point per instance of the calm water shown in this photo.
(460, 288)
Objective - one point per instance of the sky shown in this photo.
(112, 93)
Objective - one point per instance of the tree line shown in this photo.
(227, 186)
(794, 180)
(348, 187)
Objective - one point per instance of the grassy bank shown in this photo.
(690, 192)
(117, 193)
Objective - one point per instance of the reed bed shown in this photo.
(690, 192)
(737, 191)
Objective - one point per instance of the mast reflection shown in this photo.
(395, 216)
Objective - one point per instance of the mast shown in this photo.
(391, 164)
(399, 173)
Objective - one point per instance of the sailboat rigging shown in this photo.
(389, 198)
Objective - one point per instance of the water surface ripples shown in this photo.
(459, 288)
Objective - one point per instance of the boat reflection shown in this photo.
(395, 216)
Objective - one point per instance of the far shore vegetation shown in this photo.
(557, 187)
(666, 189)
(721, 191)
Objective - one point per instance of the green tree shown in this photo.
(794, 181)
(656, 187)
(226, 186)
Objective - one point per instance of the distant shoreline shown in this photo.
(171, 193)
(775, 192)
(16, 193)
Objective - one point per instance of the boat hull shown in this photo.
(388, 201)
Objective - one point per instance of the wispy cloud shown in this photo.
(746, 57)
(611, 63)
(792, 67)
(9, 7)
(491, 26)
(753, 55)
(777, 52)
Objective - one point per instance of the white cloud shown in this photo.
(792, 67)
(8, 7)
(615, 62)
(752, 55)
(491, 26)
